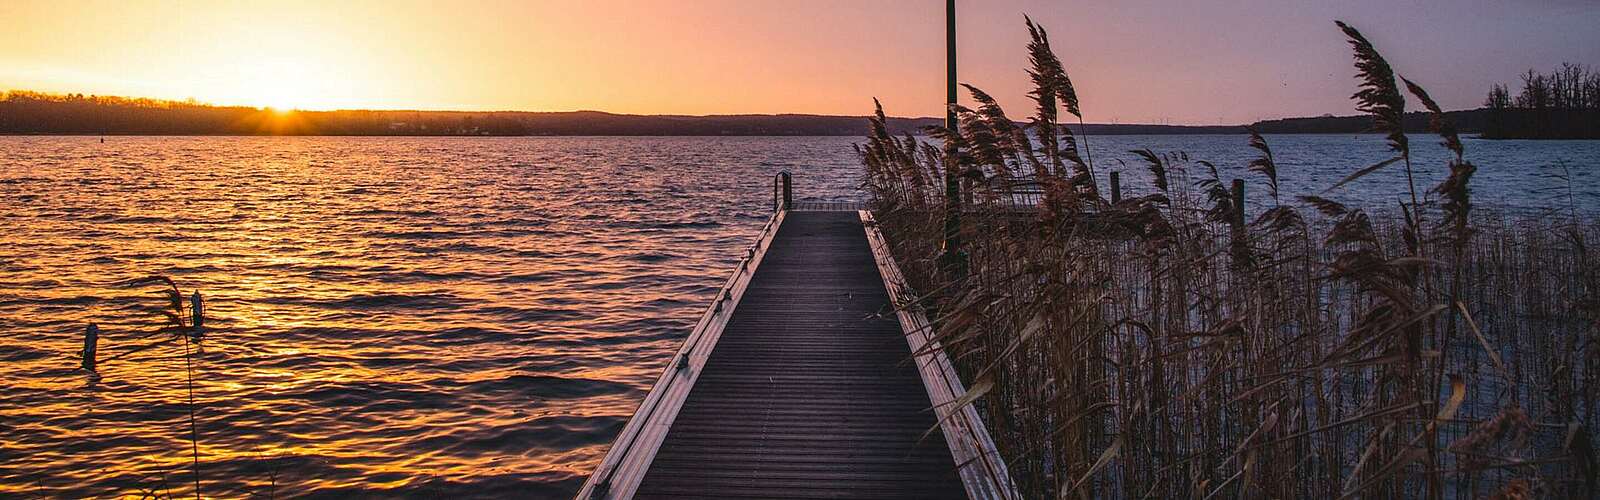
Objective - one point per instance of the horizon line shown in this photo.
(196, 102)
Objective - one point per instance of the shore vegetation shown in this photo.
(1180, 345)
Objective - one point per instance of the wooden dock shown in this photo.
(799, 383)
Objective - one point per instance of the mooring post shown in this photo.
(788, 191)
(91, 346)
(197, 312)
(1116, 187)
(1238, 203)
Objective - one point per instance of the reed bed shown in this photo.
(1166, 346)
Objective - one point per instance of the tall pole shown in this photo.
(950, 63)
(953, 259)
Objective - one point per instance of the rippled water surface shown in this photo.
(430, 316)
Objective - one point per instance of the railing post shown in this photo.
(788, 191)
(1116, 187)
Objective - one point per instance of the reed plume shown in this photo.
(1378, 94)
(1048, 73)
(1157, 167)
(1437, 123)
(1381, 98)
(1455, 188)
(1264, 164)
(1052, 88)
(189, 332)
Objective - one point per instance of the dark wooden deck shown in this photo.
(808, 394)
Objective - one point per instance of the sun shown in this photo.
(282, 95)
(287, 84)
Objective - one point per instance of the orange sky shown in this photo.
(1220, 61)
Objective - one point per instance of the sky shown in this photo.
(1133, 61)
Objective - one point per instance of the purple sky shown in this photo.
(1148, 61)
(1234, 61)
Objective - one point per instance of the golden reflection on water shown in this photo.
(410, 316)
(434, 317)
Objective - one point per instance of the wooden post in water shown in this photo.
(197, 319)
(1116, 187)
(1238, 203)
(1239, 245)
(91, 345)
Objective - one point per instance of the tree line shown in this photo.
(26, 112)
(1564, 104)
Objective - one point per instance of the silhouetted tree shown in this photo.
(1564, 104)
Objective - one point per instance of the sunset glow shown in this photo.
(767, 56)
(898, 249)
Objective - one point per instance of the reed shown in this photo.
(1164, 347)
(177, 323)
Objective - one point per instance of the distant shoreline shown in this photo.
(1241, 132)
(28, 113)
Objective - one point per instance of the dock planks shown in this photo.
(808, 393)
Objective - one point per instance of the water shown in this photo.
(1512, 176)
(436, 316)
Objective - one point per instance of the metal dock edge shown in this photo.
(982, 469)
(630, 455)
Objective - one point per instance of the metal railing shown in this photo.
(783, 198)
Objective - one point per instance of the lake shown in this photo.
(446, 316)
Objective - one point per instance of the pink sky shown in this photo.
(1194, 62)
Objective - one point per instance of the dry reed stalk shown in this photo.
(1130, 351)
